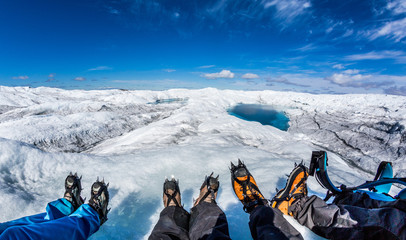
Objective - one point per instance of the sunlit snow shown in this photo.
(134, 139)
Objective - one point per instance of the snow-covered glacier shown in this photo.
(134, 139)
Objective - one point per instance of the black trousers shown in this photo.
(208, 221)
(205, 221)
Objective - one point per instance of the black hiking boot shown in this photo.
(245, 187)
(73, 187)
(295, 189)
(100, 199)
(209, 187)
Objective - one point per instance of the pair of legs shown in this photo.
(352, 216)
(205, 221)
(65, 218)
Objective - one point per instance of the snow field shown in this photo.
(134, 145)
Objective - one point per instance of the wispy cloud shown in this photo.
(21, 77)
(394, 22)
(113, 10)
(250, 76)
(353, 78)
(396, 90)
(338, 66)
(169, 70)
(100, 68)
(286, 80)
(51, 77)
(288, 9)
(308, 47)
(395, 30)
(397, 6)
(79, 79)
(207, 66)
(222, 74)
(399, 56)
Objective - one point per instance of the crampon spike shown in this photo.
(240, 162)
(232, 166)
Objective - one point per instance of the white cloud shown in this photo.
(169, 70)
(344, 78)
(338, 66)
(351, 71)
(100, 68)
(250, 76)
(79, 79)
(222, 74)
(51, 75)
(395, 30)
(21, 77)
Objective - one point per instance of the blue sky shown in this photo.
(349, 46)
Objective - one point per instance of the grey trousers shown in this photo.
(352, 216)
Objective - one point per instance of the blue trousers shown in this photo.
(60, 221)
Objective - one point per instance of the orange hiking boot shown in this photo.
(245, 187)
(295, 189)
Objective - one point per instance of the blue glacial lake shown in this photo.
(263, 114)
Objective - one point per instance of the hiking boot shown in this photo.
(100, 199)
(245, 187)
(171, 196)
(73, 187)
(295, 189)
(209, 187)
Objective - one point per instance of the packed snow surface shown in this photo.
(134, 139)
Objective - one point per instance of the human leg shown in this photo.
(56, 209)
(269, 223)
(81, 224)
(349, 222)
(339, 221)
(207, 220)
(265, 222)
(173, 221)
